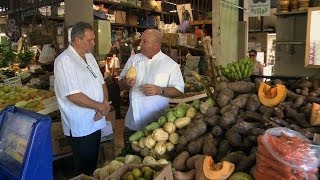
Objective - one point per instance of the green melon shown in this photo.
(240, 176)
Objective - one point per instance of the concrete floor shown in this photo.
(108, 151)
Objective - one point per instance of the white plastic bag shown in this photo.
(47, 55)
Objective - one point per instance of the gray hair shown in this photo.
(78, 30)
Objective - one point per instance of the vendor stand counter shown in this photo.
(25, 145)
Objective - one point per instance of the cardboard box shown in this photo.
(191, 40)
(133, 20)
(120, 17)
(165, 171)
(170, 39)
(60, 143)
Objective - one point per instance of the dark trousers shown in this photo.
(85, 152)
(114, 96)
(126, 134)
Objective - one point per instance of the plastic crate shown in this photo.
(14, 81)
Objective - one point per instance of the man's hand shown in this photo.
(98, 116)
(151, 90)
(104, 107)
(130, 82)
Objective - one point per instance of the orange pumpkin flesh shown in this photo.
(271, 96)
(219, 171)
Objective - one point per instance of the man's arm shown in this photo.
(105, 93)
(151, 90)
(170, 92)
(83, 100)
(126, 83)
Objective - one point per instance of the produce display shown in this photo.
(224, 135)
(141, 173)
(160, 137)
(23, 97)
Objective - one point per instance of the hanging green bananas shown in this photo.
(238, 70)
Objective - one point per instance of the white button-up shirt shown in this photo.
(74, 75)
(162, 71)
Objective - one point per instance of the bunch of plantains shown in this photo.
(237, 71)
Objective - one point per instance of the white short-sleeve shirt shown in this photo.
(74, 75)
(162, 71)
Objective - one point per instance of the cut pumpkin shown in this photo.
(219, 171)
(271, 96)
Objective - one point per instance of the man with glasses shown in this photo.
(82, 97)
(258, 67)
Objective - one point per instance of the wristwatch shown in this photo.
(162, 91)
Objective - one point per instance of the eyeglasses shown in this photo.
(90, 69)
(252, 55)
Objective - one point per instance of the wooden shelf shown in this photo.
(185, 47)
(200, 22)
(133, 26)
(290, 42)
(291, 13)
(127, 5)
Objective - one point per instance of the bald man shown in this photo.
(158, 78)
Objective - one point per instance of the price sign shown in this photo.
(259, 8)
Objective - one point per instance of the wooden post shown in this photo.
(216, 30)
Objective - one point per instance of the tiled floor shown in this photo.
(108, 151)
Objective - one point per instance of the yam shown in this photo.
(266, 110)
(242, 86)
(192, 160)
(194, 132)
(216, 131)
(240, 101)
(195, 146)
(224, 97)
(209, 148)
(305, 91)
(220, 86)
(304, 83)
(246, 163)
(253, 103)
(212, 111)
(257, 131)
(179, 163)
(279, 121)
(252, 139)
(299, 101)
(235, 157)
(223, 149)
(298, 117)
(244, 127)
(234, 138)
(229, 107)
(199, 169)
(213, 120)
(228, 119)
(278, 113)
(189, 175)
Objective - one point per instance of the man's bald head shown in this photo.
(155, 35)
(150, 42)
